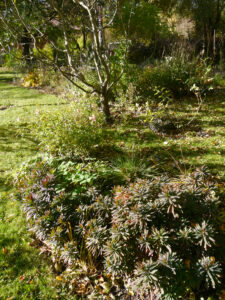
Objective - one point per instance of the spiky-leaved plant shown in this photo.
(149, 236)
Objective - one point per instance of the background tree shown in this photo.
(208, 18)
(89, 65)
(207, 15)
(141, 20)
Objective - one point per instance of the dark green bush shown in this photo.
(179, 75)
(152, 235)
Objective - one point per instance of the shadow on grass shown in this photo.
(42, 104)
(6, 80)
(15, 146)
(174, 159)
(19, 257)
(214, 123)
(7, 75)
(8, 72)
(22, 90)
(10, 134)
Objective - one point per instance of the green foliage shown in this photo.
(219, 80)
(136, 92)
(131, 75)
(161, 221)
(142, 21)
(11, 60)
(118, 59)
(40, 76)
(45, 50)
(60, 195)
(78, 128)
(152, 235)
(134, 166)
(178, 75)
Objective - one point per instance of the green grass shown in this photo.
(200, 143)
(24, 273)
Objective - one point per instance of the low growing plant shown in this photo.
(153, 236)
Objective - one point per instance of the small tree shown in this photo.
(89, 65)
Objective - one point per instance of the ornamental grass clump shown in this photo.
(148, 237)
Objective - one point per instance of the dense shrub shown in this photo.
(164, 235)
(39, 76)
(57, 193)
(177, 74)
(76, 128)
(152, 236)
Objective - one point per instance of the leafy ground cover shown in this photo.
(198, 139)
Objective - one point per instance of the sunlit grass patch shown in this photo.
(24, 273)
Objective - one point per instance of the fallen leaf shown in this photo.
(21, 277)
(4, 250)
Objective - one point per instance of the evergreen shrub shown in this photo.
(150, 236)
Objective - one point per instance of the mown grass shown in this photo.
(24, 273)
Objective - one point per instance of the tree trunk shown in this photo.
(26, 46)
(106, 107)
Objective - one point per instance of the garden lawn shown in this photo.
(24, 273)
